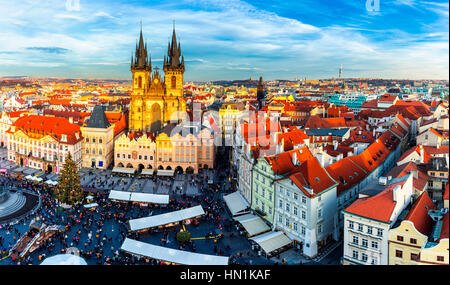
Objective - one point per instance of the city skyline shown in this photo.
(225, 41)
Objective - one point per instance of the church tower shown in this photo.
(173, 77)
(260, 92)
(141, 69)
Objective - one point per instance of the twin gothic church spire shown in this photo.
(142, 59)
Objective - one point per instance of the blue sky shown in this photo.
(228, 39)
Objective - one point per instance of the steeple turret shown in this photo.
(142, 59)
(173, 54)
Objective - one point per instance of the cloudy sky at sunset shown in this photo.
(228, 39)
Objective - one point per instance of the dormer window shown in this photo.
(64, 138)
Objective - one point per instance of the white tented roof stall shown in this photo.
(252, 224)
(123, 170)
(236, 204)
(162, 172)
(147, 171)
(149, 198)
(119, 195)
(167, 218)
(171, 255)
(271, 241)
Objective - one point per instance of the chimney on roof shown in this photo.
(294, 158)
(71, 120)
(396, 193)
(335, 144)
(415, 173)
(422, 155)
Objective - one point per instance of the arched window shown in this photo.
(140, 82)
(174, 82)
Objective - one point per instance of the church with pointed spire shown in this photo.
(156, 100)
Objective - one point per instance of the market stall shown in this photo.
(139, 248)
(162, 172)
(149, 198)
(236, 204)
(271, 242)
(123, 170)
(147, 172)
(252, 224)
(119, 195)
(166, 219)
(64, 259)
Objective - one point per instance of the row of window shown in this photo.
(411, 240)
(94, 140)
(295, 210)
(100, 152)
(364, 242)
(413, 256)
(370, 230)
(364, 257)
(294, 195)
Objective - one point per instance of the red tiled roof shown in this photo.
(418, 214)
(312, 175)
(39, 126)
(351, 170)
(292, 138)
(15, 114)
(417, 150)
(387, 98)
(370, 104)
(421, 107)
(281, 163)
(316, 122)
(433, 150)
(347, 173)
(378, 207)
(419, 183)
(444, 230)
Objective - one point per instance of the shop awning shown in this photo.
(236, 203)
(64, 259)
(252, 224)
(92, 205)
(119, 195)
(271, 241)
(162, 172)
(167, 218)
(149, 198)
(171, 255)
(123, 170)
(147, 171)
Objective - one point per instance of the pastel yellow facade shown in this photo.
(405, 243)
(229, 114)
(177, 152)
(436, 255)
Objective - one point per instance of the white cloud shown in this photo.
(213, 33)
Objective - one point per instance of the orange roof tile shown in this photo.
(370, 207)
(418, 214)
(39, 126)
(444, 229)
(312, 175)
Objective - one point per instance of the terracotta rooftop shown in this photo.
(418, 214)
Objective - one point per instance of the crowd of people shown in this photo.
(98, 232)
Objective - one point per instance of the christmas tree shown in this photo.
(69, 186)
